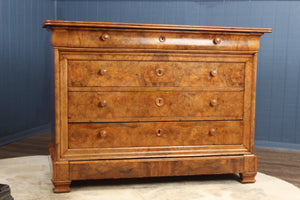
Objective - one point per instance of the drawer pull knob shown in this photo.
(102, 133)
(105, 36)
(159, 72)
(213, 132)
(214, 73)
(103, 103)
(159, 132)
(213, 102)
(159, 101)
(162, 38)
(217, 40)
(102, 71)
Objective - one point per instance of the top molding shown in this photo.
(63, 23)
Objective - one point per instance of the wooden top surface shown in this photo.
(62, 23)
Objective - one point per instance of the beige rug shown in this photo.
(29, 179)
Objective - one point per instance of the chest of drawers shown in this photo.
(144, 100)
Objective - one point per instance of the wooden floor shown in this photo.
(284, 164)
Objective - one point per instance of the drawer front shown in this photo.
(150, 134)
(168, 74)
(106, 106)
(112, 38)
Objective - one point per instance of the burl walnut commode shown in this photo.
(146, 100)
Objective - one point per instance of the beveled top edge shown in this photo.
(63, 23)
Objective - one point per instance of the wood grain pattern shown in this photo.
(144, 39)
(152, 55)
(80, 24)
(155, 74)
(60, 173)
(281, 163)
(111, 135)
(124, 106)
(135, 98)
(250, 169)
(153, 152)
(284, 164)
(155, 167)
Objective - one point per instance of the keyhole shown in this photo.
(159, 101)
(159, 72)
(158, 132)
(162, 38)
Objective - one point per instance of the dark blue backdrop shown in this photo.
(25, 81)
(24, 68)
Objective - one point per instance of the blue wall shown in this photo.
(278, 85)
(24, 68)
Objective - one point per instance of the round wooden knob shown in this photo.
(159, 132)
(102, 133)
(159, 101)
(214, 73)
(159, 72)
(217, 40)
(102, 71)
(162, 38)
(105, 36)
(213, 102)
(103, 103)
(213, 132)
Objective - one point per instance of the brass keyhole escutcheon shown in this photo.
(159, 72)
(162, 38)
(159, 132)
(159, 101)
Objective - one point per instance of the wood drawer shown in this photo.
(133, 168)
(143, 106)
(163, 40)
(160, 74)
(150, 134)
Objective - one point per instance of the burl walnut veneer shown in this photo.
(145, 100)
